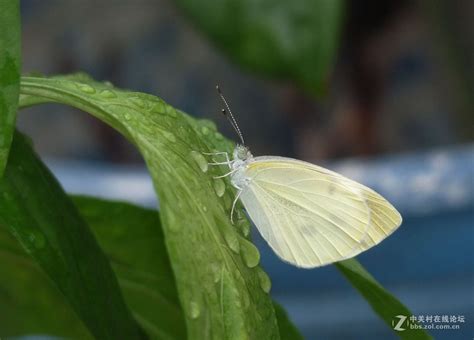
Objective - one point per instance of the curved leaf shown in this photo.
(132, 239)
(31, 304)
(296, 40)
(9, 74)
(39, 214)
(220, 287)
(135, 247)
(382, 302)
(287, 330)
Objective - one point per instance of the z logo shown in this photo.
(399, 324)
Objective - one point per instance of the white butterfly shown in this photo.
(310, 216)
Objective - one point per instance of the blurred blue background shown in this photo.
(391, 106)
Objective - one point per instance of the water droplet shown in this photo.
(169, 136)
(170, 111)
(138, 102)
(219, 187)
(264, 280)
(172, 223)
(204, 208)
(108, 83)
(200, 160)
(127, 116)
(158, 107)
(244, 227)
(107, 94)
(38, 239)
(250, 253)
(218, 136)
(205, 130)
(216, 271)
(194, 310)
(209, 124)
(86, 88)
(231, 239)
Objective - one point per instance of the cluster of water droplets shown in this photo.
(200, 160)
(194, 309)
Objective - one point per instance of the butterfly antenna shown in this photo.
(230, 116)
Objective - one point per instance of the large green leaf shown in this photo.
(287, 330)
(133, 240)
(222, 290)
(38, 213)
(29, 302)
(382, 302)
(296, 39)
(9, 74)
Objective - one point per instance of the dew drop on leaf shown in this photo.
(86, 88)
(249, 252)
(200, 160)
(216, 271)
(204, 208)
(172, 223)
(219, 187)
(231, 239)
(127, 116)
(158, 107)
(218, 136)
(264, 280)
(38, 239)
(244, 227)
(138, 102)
(170, 111)
(107, 94)
(205, 130)
(194, 310)
(169, 136)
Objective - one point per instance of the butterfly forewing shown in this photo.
(311, 216)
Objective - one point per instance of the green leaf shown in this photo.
(382, 302)
(288, 331)
(133, 241)
(9, 74)
(39, 214)
(135, 247)
(220, 287)
(296, 40)
(29, 302)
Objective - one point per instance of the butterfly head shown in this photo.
(241, 152)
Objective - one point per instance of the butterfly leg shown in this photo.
(227, 174)
(227, 162)
(233, 205)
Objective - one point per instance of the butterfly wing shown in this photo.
(311, 216)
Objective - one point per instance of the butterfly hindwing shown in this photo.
(311, 216)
